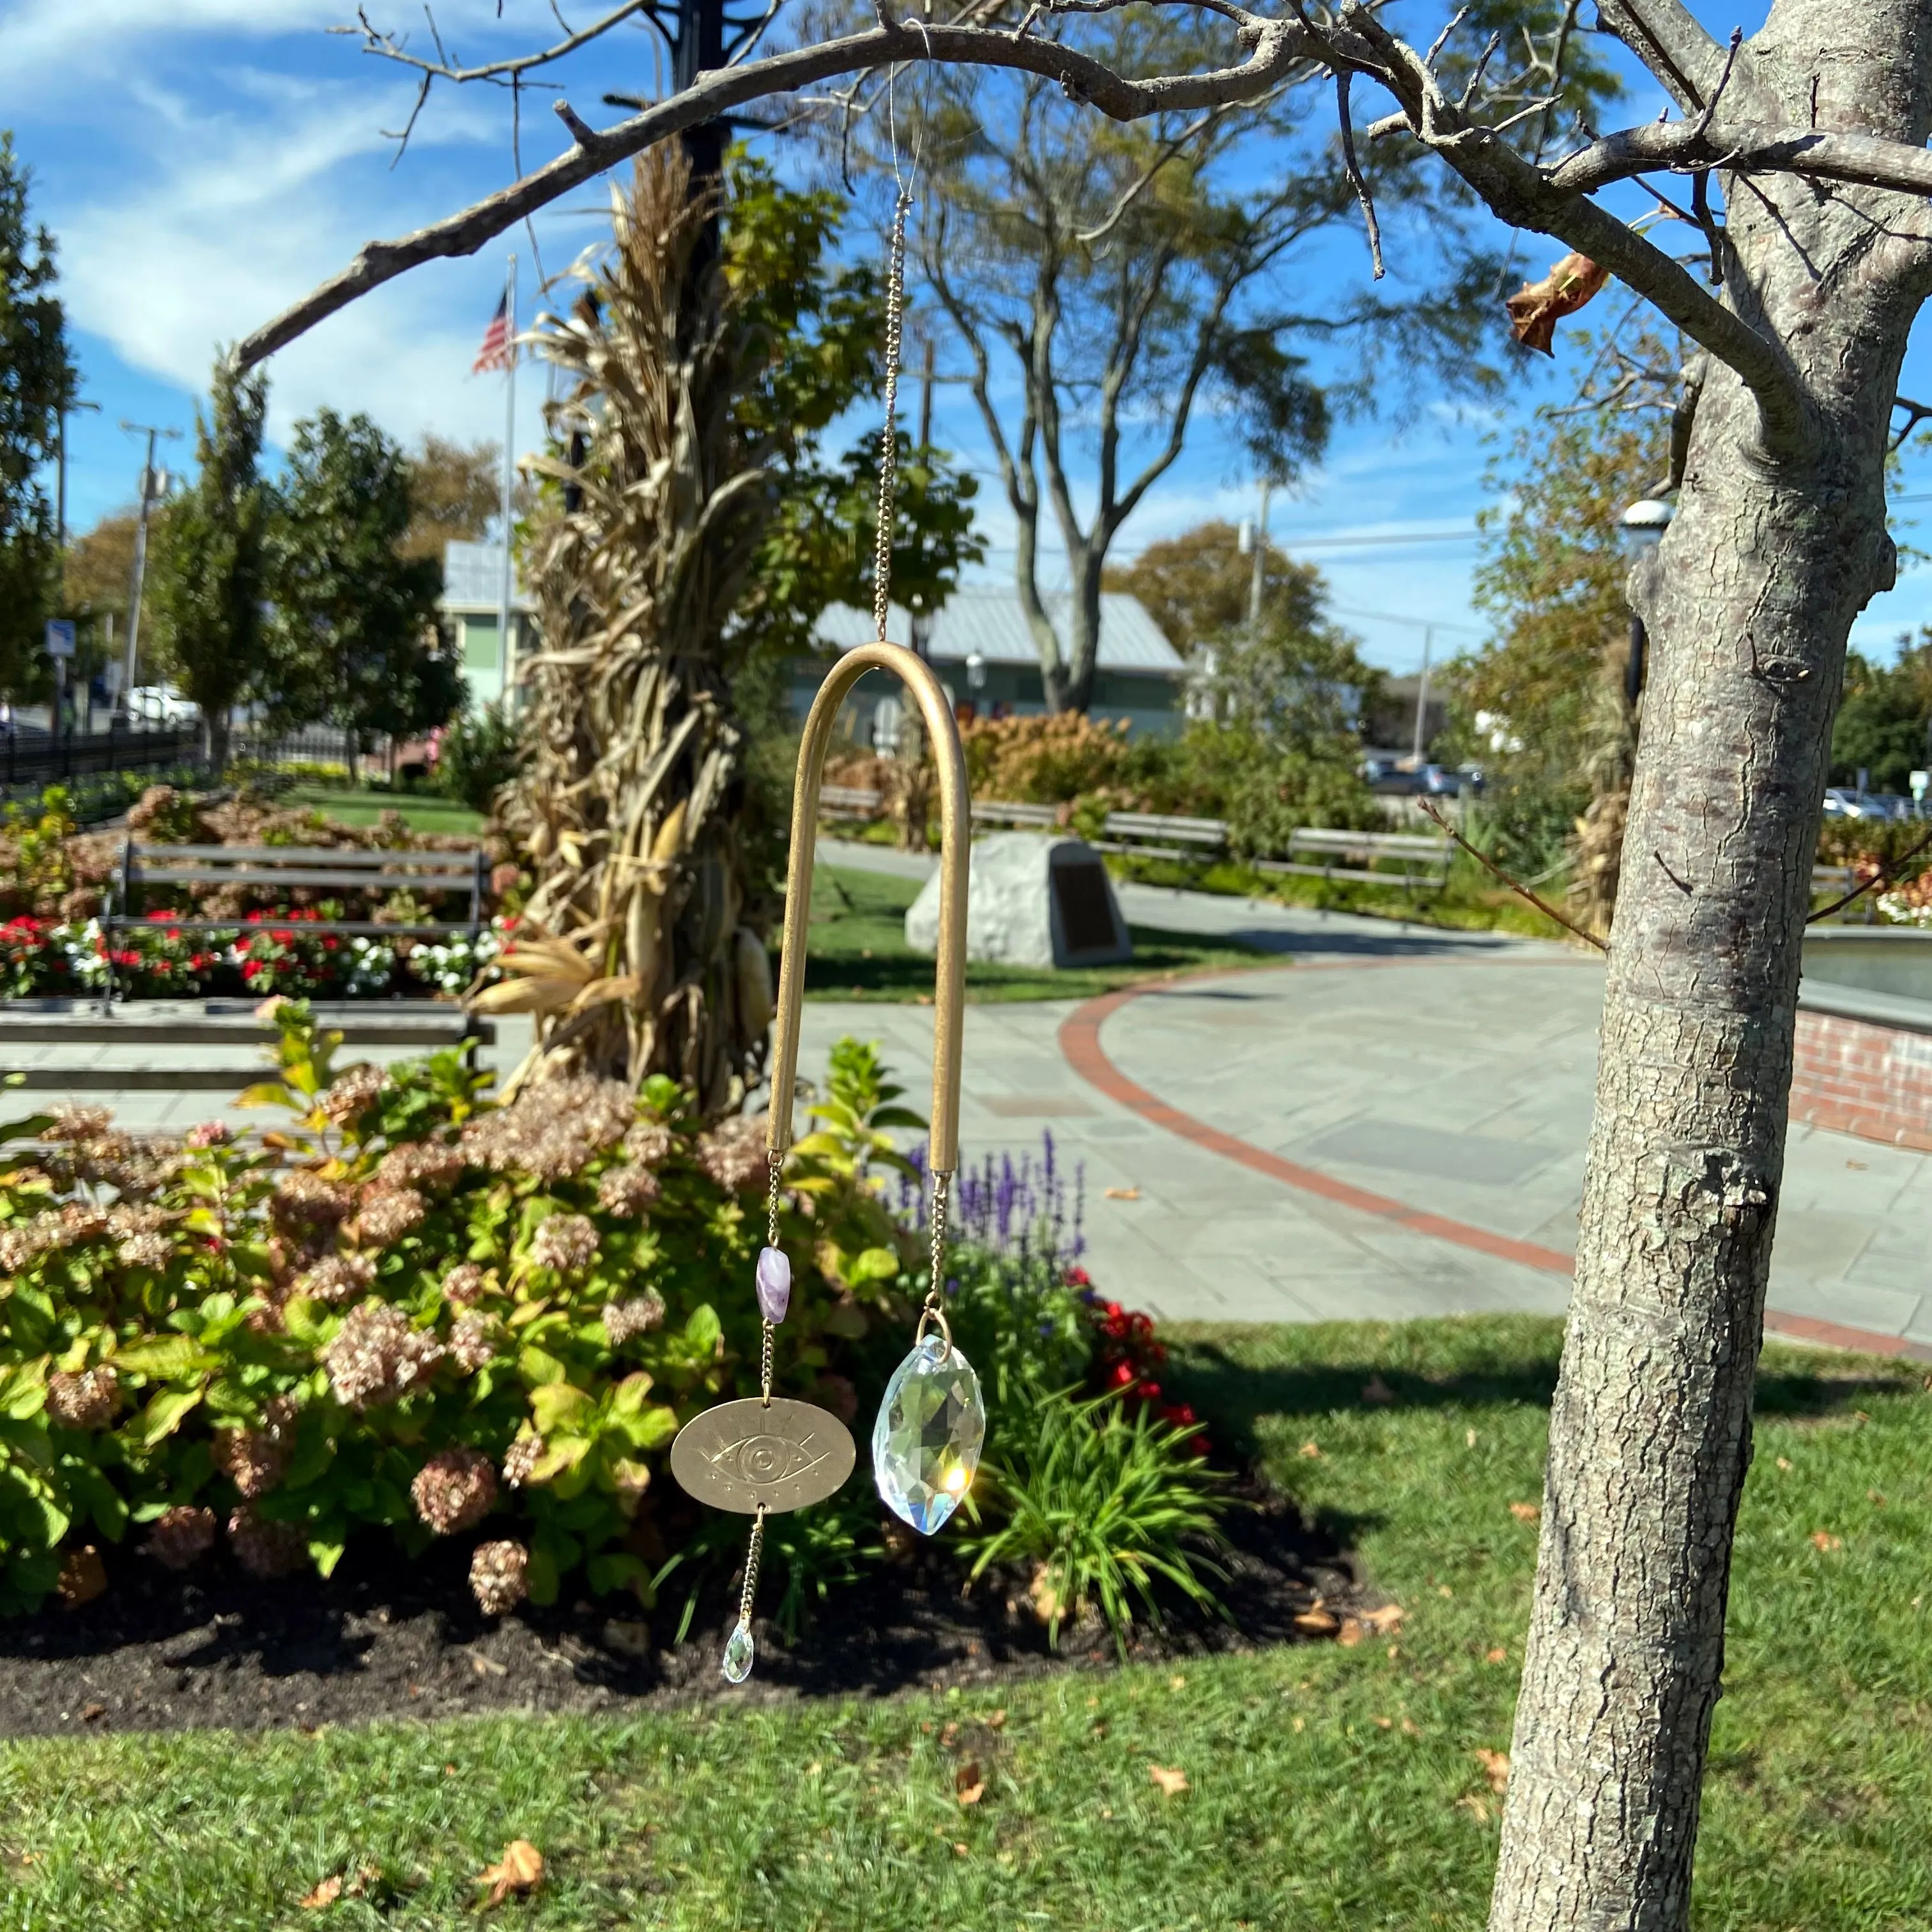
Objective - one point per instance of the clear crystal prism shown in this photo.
(926, 1442)
(738, 1651)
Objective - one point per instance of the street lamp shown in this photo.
(1643, 525)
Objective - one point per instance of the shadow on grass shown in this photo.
(1235, 1396)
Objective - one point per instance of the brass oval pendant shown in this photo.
(742, 1456)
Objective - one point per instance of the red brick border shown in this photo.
(1855, 1077)
(1080, 1043)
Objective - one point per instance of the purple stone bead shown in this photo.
(774, 1284)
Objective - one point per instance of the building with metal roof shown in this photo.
(980, 643)
(983, 650)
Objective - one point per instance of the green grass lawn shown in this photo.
(1327, 1787)
(426, 811)
(858, 951)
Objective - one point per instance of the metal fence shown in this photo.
(27, 761)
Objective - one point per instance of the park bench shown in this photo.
(849, 801)
(1322, 852)
(343, 869)
(1154, 835)
(1025, 817)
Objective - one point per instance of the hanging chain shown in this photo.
(751, 1556)
(889, 442)
(936, 1287)
(774, 1167)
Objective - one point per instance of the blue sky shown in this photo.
(204, 162)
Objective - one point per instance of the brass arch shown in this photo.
(949, 987)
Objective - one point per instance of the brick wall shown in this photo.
(1854, 1078)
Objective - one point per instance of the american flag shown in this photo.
(498, 351)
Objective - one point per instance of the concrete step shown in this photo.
(142, 1023)
(151, 1066)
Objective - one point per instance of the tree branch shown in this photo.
(1685, 147)
(1882, 877)
(1524, 196)
(385, 46)
(1665, 37)
(1429, 809)
(1273, 47)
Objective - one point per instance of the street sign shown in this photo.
(60, 638)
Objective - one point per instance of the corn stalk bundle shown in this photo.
(639, 958)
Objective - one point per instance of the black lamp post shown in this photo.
(1643, 525)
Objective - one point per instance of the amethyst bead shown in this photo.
(774, 1284)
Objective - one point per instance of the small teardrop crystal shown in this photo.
(738, 1653)
(926, 1442)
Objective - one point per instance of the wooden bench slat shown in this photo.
(243, 875)
(463, 863)
(413, 928)
(1436, 880)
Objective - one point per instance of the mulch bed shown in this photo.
(385, 1638)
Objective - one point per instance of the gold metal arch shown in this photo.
(949, 987)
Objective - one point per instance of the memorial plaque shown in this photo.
(1086, 917)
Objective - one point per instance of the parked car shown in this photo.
(161, 704)
(1844, 801)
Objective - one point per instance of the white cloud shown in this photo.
(248, 212)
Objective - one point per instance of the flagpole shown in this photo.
(508, 643)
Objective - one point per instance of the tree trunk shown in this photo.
(217, 730)
(1083, 623)
(1749, 604)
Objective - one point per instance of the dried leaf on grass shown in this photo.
(1124, 1193)
(1495, 1655)
(968, 1787)
(1526, 1512)
(1171, 1782)
(1318, 1622)
(521, 1869)
(1495, 1767)
(323, 1896)
(1384, 1622)
(1537, 307)
(1823, 1539)
(1310, 1451)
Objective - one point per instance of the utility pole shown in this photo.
(1422, 694)
(60, 470)
(1258, 576)
(926, 382)
(151, 490)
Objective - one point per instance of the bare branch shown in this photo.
(1883, 876)
(385, 45)
(1429, 809)
(1916, 413)
(1273, 48)
(1685, 147)
(1356, 179)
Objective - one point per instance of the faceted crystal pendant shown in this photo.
(925, 1443)
(738, 1652)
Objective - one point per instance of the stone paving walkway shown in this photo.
(1452, 1073)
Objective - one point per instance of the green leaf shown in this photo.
(538, 1368)
(165, 1414)
(269, 1094)
(163, 1355)
(654, 1428)
(326, 1555)
(614, 1569)
(554, 1404)
(874, 1264)
(704, 1331)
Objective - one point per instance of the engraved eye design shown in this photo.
(762, 1460)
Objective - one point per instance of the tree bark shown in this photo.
(1749, 603)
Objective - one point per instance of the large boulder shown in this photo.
(1035, 899)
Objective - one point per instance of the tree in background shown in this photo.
(37, 382)
(1105, 281)
(210, 563)
(355, 636)
(1542, 706)
(456, 494)
(674, 550)
(1197, 586)
(1884, 725)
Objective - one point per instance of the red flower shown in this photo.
(1123, 1376)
